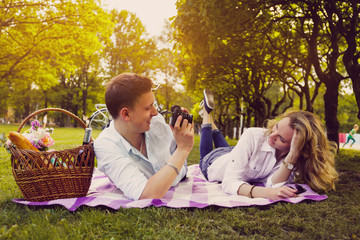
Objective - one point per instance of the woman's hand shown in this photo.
(282, 174)
(267, 192)
(295, 144)
(295, 148)
(281, 192)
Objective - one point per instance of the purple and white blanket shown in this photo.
(195, 191)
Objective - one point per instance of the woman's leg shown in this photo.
(206, 140)
(206, 147)
(209, 134)
(218, 138)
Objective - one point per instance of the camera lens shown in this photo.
(176, 108)
(176, 111)
(187, 116)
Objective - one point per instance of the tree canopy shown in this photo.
(259, 57)
(42, 40)
(244, 49)
(60, 53)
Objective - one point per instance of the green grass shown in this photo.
(338, 217)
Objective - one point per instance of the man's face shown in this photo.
(142, 112)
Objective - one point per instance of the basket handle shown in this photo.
(51, 109)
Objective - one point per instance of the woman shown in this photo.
(295, 147)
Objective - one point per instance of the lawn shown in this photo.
(338, 217)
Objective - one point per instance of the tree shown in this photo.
(348, 25)
(130, 50)
(167, 73)
(222, 49)
(299, 43)
(40, 38)
(316, 26)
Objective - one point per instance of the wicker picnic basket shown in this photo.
(44, 176)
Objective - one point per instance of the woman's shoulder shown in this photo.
(255, 131)
(254, 134)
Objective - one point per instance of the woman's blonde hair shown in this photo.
(316, 164)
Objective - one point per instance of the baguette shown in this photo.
(20, 141)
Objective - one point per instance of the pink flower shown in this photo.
(47, 140)
(39, 137)
(8, 143)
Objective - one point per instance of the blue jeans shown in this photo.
(207, 154)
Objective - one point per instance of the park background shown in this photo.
(260, 58)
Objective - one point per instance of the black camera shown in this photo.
(176, 112)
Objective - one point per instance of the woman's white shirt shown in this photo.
(252, 160)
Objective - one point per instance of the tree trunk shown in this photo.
(27, 107)
(237, 127)
(259, 113)
(331, 103)
(352, 66)
(230, 127)
(46, 100)
(84, 98)
(248, 117)
(355, 78)
(237, 119)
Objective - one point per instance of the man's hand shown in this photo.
(184, 134)
(185, 110)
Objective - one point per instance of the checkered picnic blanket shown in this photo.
(195, 192)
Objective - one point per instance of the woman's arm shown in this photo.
(238, 163)
(265, 192)
(280, 175)
(283, 173)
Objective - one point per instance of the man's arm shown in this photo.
(119, 167)
(158, 185)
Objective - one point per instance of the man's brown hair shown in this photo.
(123, 91)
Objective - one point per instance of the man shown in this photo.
(139, 152)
